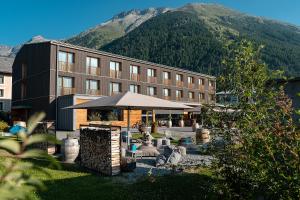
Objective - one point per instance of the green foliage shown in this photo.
(261, 157)
(3, 126)
(15, 181)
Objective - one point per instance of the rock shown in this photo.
(160, 160)
(182, 150)
(174, 158)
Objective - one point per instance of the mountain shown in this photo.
(116, 27)
(192, 37)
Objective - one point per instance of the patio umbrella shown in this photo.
(130, 101)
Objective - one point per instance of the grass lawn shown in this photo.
(74, 182)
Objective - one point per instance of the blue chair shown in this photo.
(14, 130)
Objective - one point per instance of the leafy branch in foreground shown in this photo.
(261, 158)
(15, 181)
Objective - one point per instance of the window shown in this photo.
(66, 61)
(201, 81)
(24, 71)
(1, 79)
(212, 97)
(201, 96)
(92, 84)
(151, 72)
(23, 90)
(134, 88)
(190, 80)
(134, 73)
(1, 106)
(167, 78)
(114, 88)
(166, 92)
(65, 82)
(211, 83)
(1, 93)
(191, 95)
(151, 91)
(92, 66)
(115, 69)
(105, 115)
(178, 94)
(65, 57)
(179, 77)
(179, 80)
(65, 85)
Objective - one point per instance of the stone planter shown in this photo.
(169, 124)
(70, 149)
(181, 123)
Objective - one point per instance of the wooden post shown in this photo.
(153, 116)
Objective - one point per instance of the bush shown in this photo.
(3, 126)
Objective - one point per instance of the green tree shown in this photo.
(15, 181)
(261, 157)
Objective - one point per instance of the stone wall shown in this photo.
(100, 149)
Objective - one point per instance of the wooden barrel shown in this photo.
(70, 149)
(202, 135)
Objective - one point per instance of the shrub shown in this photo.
(3, 126)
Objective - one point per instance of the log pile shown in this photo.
(100, 149)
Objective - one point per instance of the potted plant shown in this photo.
(169, 121)
(181, 122)
(154, 127)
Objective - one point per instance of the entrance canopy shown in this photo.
(131, 101)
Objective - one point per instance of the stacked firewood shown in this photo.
(100, 149)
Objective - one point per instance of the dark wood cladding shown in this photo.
(41, 59)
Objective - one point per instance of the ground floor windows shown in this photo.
(151, 91)
(92, 87)
(134, 88)
(105, 115)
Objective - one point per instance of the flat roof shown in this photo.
(59, 43)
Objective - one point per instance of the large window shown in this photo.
(114, 88)
(151, 75)
(201, 96)
(92, 66)
(1, 93)
(179, 94)
(191, 95)
(134, 88)
(115, 69)
(92, 87)
(167, 78)
(151, 91)
(166, 93)
(66, 61)
(1, 79)
(212, 84)
(65, 85)
(134, 73)
(190, 80)
(179, 80)
(201, 81)
(105, 115)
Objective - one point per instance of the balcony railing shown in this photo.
(167, 81)
(93, 70)
(201, 87)
(191, 99)
(191, 85)
(151, 79)
(167, 97)
(93, 92)
(179, 83)
(65, 91)
(66, 67)
(115, 74)
(112, 93)
(135, 77)
(212, 88)
(179, 99)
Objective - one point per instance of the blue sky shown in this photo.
(58, 19)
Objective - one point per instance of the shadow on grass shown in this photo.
(185, 186)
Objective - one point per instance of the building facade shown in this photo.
(45, 71)
(5, 84)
